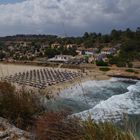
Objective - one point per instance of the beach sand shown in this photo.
(53, 91)
(10, 69)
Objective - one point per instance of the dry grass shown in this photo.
(18, 107)
(105, 131)
(56, 126)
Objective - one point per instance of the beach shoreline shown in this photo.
(89, 76)
(86, 75)
(55, 90)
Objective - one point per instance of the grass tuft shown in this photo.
(18, 107)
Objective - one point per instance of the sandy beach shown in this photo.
(10, 69)
(54, 90)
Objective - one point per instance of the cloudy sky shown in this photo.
(71, 16)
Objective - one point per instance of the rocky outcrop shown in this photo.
(10, 132)
(125, 76)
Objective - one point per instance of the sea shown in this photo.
(116, 100)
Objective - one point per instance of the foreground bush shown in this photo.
(56, 126)
(18, 107)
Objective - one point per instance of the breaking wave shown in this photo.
(102, 100)
(116, 106)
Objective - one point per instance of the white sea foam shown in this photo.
(91, 92)
(80, 89)
(134, 88)
(116, 106)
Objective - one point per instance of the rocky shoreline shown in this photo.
(125, 76)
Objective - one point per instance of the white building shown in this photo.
(61, 58)
(108, 51)
(87, 51)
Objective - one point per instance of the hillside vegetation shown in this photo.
(39, 46)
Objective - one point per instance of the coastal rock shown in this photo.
(10, 132)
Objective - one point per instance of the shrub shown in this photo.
(17, 107)
(136, 72)
(56, 126)
(130, 70)
(130, 65)
(121, 64)
(104, 69)
(101, 63)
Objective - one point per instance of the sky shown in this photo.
(9, 1)
(73, 17)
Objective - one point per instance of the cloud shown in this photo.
(78, 16)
